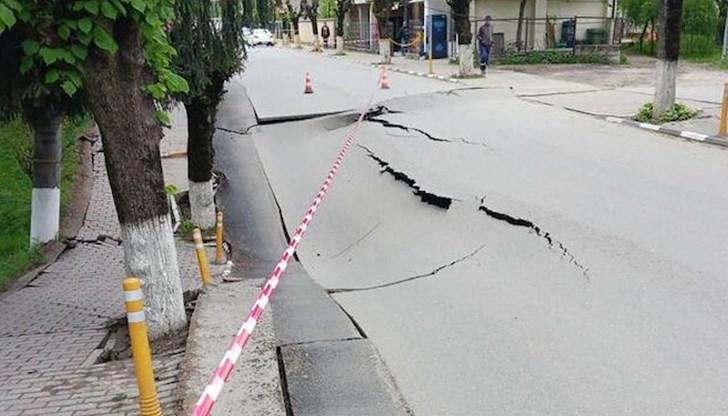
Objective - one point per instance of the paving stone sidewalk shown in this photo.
(52, 329)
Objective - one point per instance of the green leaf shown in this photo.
(30, 47)
(79, 51)
(14, 4)
(67, 56)
(139, 5)
(92, 7)
(49, 55)
(119, 7)
(163, 118)
(26, 62)
(157, 91)
(7, 16)
(103, 40)
(75, 77)
(177, 84)
(108, 10)
(85, 38)
(69, 88)
(24, 15)
(51, 76)
(85, 25)
(64, 32)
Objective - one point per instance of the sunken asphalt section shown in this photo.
(326, 364)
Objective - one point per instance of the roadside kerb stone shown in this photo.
(687, 135)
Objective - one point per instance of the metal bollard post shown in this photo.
(201, 256)
(724, 113)
(219, 252)
(148, 400)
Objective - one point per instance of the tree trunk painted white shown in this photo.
(316, 43)
(202, 204)
(465, 56)
(339, 45)
(665, 88)
(45, 215)
(151, 256)
(46, 196)
(297, 40)
(385, 50)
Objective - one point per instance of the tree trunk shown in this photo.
(465, 56)
(667, 55)
(46, 199)
(339, 45)
(519, 30)
(201, 118)
(316, 43)
(131, 135)
(340, 17)
(385, 50)
(314, 28)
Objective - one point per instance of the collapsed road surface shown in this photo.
(501, 257)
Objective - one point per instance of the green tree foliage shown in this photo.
(342, 8)
(327, 9)
(700, 26)
(701, 22)
(249, 17)
(263, 9)
(208, 50)
(57, 36)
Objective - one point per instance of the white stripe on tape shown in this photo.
(133, 295)
(135, 317)
(233, 353)
(214, 388)
(262, 302)
(693, 136)
(649, 126)
(249, 325)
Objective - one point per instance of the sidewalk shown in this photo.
(53, 329)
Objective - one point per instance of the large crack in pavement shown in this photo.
(521, 222)
(426, 197)
(372, 116)
(445, 203)
(411, 278)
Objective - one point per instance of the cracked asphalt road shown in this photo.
(575, 268)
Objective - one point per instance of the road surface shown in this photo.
(505, 257)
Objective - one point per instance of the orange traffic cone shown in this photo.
(309, 88)
(384, 80)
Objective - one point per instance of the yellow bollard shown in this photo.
(724, 113)
(148, 401)
(201, 256)
(219, 253)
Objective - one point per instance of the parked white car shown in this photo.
(261, 37)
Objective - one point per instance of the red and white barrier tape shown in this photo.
(225, 368)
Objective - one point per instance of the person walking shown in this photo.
(326, 33)
(485, 41)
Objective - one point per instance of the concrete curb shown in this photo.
(409, 72)
(688, 135)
